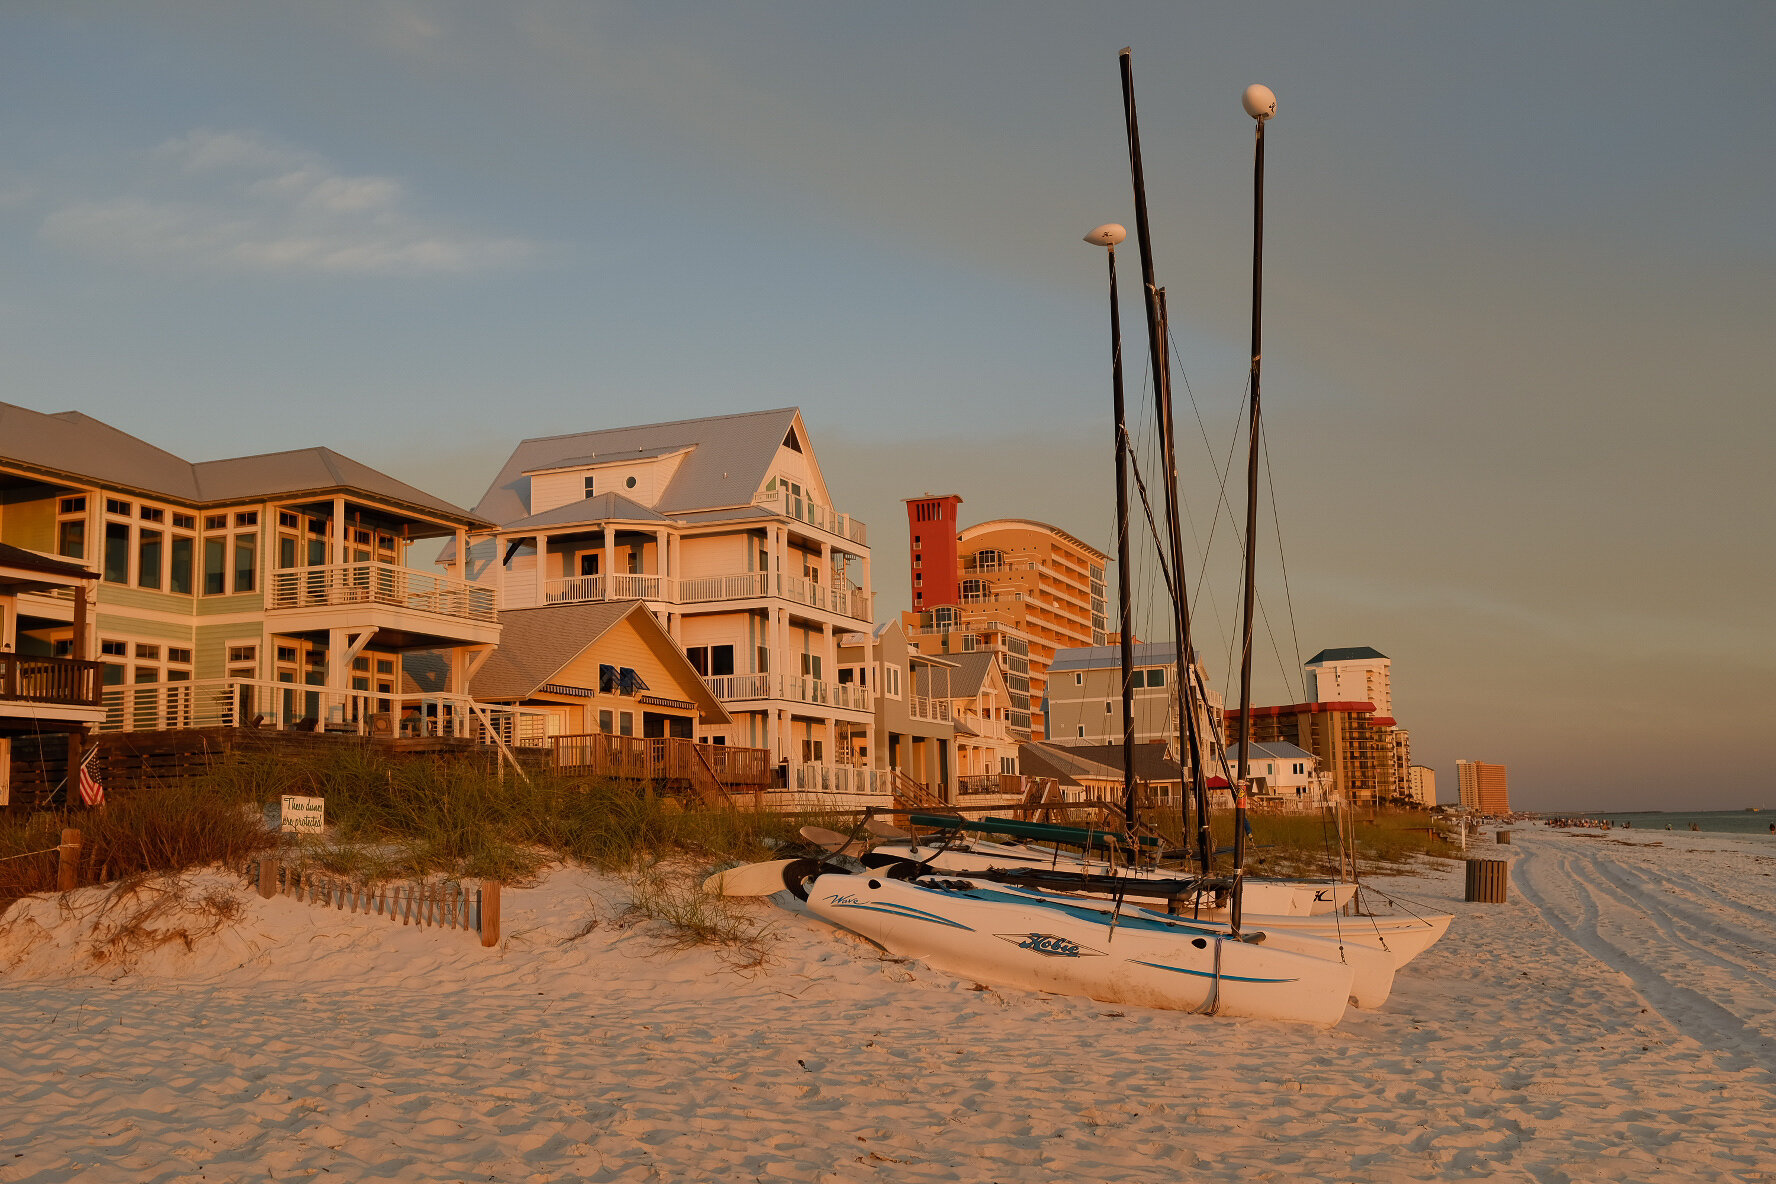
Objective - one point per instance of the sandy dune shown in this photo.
(1615, 1021)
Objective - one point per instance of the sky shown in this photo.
(1518, 298)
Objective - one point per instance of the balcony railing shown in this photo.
(817, 516)
(665, 758)
(838, 779)
(935, 710)
(845, 600)
(69, 682)
(847, 696)
(621, 586)
(247, 702)
(987, 729)
(379, 583)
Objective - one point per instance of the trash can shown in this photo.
(1487, 879)
(1504, 836)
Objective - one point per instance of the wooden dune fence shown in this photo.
(440, 906)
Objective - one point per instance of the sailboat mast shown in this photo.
(1261, 105)
(1124, 599)
(1162, 394)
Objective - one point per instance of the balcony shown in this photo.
(845, 600)
(738, 687)
(986, 729)
(49, 689)
(820, 517)
(382, 585)
(247, 702)
(934, 710)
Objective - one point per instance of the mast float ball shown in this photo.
(1107, 235)
(1259, 101)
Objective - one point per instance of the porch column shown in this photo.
(660, 557)
(337, 678)
(776, 646)
(541, 572)
(779, 555)
(462, 552)
(81, 650)
(825, 576)
(499, 570)
(341, 534)
(608, 567)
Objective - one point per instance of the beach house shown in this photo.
(270, 590)
(725, 528)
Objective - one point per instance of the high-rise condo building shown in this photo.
(1483, 787)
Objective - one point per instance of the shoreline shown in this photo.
(1540, 1037)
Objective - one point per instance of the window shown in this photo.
(286, 653)
(150, 514)
(117, 547)
(626, 723)
(71, 538)
(1108, 707)
(810, 665)
(215, 570)
(180, 656)
(629, 483)
(118, 649)
(113, 506)
(385, 665)
(1082, 731)
(246, 555)
(215, 522)
(1079, 678)
(763, 658)
(243, 653)
(1156, 677)
(180, 554)
(699, 658)
(185, 521)
(73, 505)
(149, 545)
(629, 681)
(589, 563)
(606, 722)
(247, 518)
(590, 483)
(361, 664)
(151, 652)
(285, 518)
(890, 680)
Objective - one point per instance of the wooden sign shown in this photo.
(303, 816)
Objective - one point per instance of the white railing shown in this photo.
(937, 710)
(728, 687)
(740, 586)
(248, 702)
(817, 516)
(621, 586)
(379, 583)
(838, 779)
(987, 729)
(846, 601)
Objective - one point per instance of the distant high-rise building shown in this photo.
(1350, 746)
(1355, 674)
(1400, 748)
(1023, 589)
(1482, 787)
(1421, 784)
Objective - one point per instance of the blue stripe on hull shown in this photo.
(1232, 978)
(910, 913)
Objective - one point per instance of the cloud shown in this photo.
(236, 202)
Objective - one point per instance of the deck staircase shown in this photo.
(910, 795)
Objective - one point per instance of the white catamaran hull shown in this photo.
(979, 932)
(1372, 968)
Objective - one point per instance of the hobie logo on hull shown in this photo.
(1049, 945)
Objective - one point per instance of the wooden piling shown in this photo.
(1487, 880)
(490, 912)
(268, 876)
(68, 861)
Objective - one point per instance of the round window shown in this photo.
(629, 484)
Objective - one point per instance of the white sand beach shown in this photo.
(1615, 1021)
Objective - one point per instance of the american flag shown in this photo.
(91, 792)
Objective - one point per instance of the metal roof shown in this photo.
(604, 507)
(80, 447)
(1348, 654)
(1109, 657)
(20, 558)
(1280, 750)
(730, 458)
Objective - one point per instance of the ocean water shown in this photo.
(1742, 822)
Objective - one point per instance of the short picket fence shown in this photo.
(446, 905)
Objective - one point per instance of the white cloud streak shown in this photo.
(236, 202)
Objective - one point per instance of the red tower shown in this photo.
(931, 539)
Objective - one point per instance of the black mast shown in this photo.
(1261, 105)
(1162, 391)
(1124, 601)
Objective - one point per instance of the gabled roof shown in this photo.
(1109, 657)
(1348, 654)
(1264, 750)
(971, 673)
(730, 458)
(537, 643)
(80, 447)
(605, 507)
